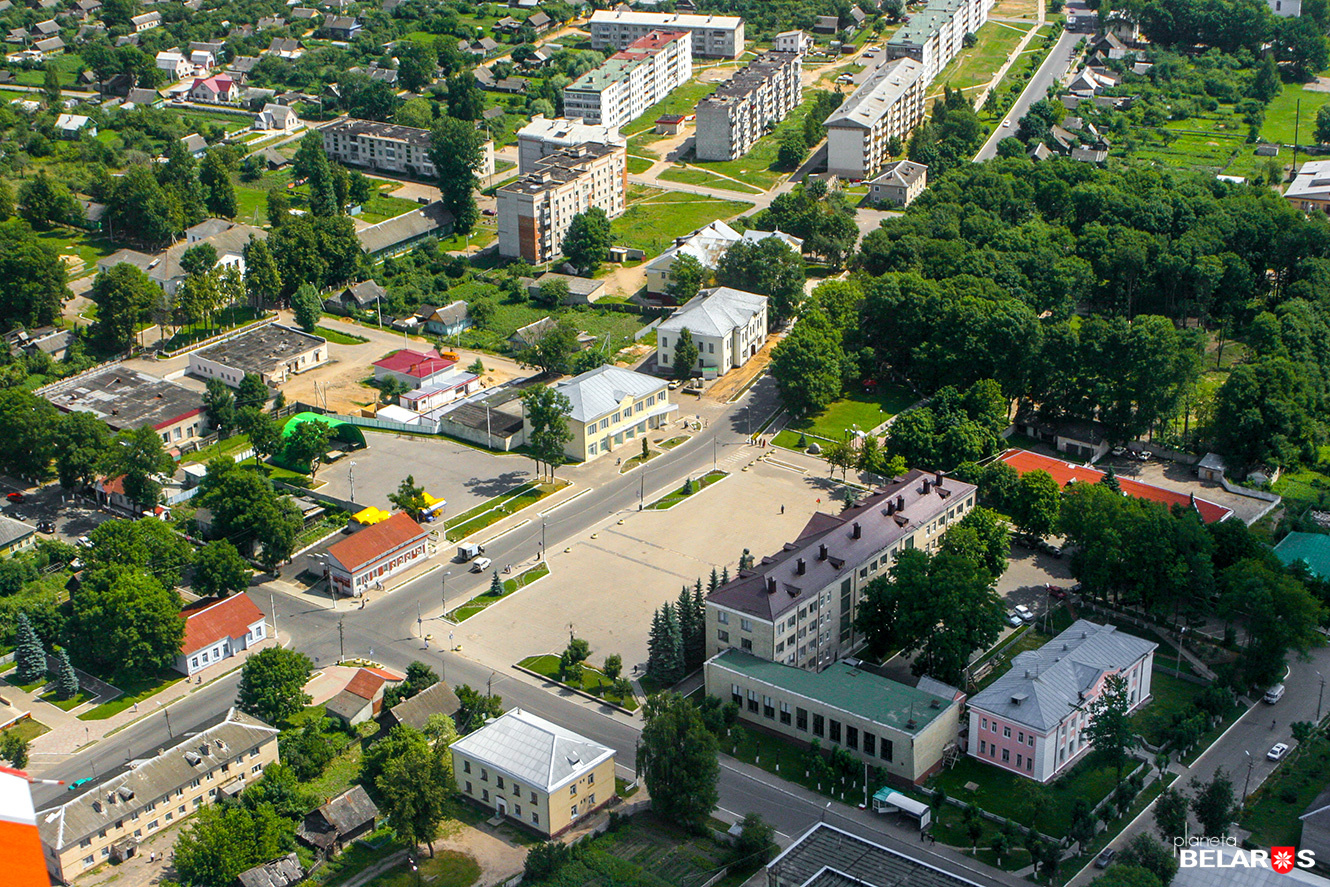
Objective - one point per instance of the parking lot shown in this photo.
(73, 516)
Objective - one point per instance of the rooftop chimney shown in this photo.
(928, 485)
(822, 552)
(857, 531)
(937, 478)
(800, 567)
(900, 503)
(891, 507)
(771, 585)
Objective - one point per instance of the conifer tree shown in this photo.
(496, 586)
(714, 582)
(66, 681)
(672, 663)
(29, 655)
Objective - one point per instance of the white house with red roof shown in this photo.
(217, 630)
(434, 379)
(215, 89)
(368, 557)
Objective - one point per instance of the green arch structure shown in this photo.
(341, 430)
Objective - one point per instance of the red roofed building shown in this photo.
(216, 89)
(1065, 472)
(373, 554)
(419, 369)
(363, 696)
(217, 630)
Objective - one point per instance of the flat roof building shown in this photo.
(384, 147)
(713, 36)
(1310, 190)
(632, 80)
(826, 856)
(272, 352)
(536, 209)
(742, 109)
(889, 104)
(545, 136)
(126, 400)
(934, 35)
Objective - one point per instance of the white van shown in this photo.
(1274, 694)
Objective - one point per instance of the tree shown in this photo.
(982, 536)
(1213, 804)
(51, 86)
(678, 760)
(219, 570)
(66, 681)
(30, 425)
(768, 267)
(544, 860)
(547, 412)
(553, 351)
(264, 434)
(1110, 729)
(807, 365)
(685, 356)
(80, 448)
(141, 458)
(219, 195)
(226, 839)
(308, 307)
(475, 707)
(416, 64)
(552, 292)
(413, 785)
(123, 295)
(14, 749)
(1323, 125)
(306, 444)
(456, 154)
(613, 666)
(29, 654)
(252, 392)
(1035, 502)
(1144, 850)
(281, 787)
(687, 275)
(793, 149)
(665, 653)
(123, 622)
(140, 209)
(409, 497)
(756, 841)
(152, 547)
(1127, 876)
(1171, 814)
(272, 684)
(44, 202)
(587, 242)
(219, 405)
(311, 164)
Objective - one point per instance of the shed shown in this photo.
(888, 801)
(340, 821)
(1212, 467)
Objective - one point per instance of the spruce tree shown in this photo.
(714, 582)
(29, 655)
(690, 632)
(725, 576)
(66, 681)
(672, 662)
(656, 643)
(496, 586)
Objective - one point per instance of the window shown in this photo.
(1006, 755)
(746, 644)
(466, 766)
(752, 701)
(722, 617)
(1029, 763)
(785, 713)
(1030, 740)
(87, 860)
(768, 707)
(817, 725)
(870, 743)
(983, 723)
(86, 842)
(535, 817)
(983, 747)
(664, 342)
(722, 635)
(498, 782)
(484, 775)
(746, 624)
(1006, 732)
(573, 814)
(835, 730)
(886, 752)
(591, 801)
(1020, 736)
(1020, 759)
(469, 791)
(517, 810)
(533, 797)
(736, 694)
(591, 779)
(801, 719)
(852, 737)
(484, 794)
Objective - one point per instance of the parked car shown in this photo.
(480, 564)
(79, 783)
(84, 542)
(46, 526)
(1278, 752)
(1103, 860)
(1026, 614)
(1274, 694)
(18, 515)
(1119, 451)
(1057, 592)
(1049, 548)
(1014, 621)
(17, 497)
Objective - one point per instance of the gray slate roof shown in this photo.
(436, 699)
(1043, 685)
(876, 95)
(533, 750)
(826, 856)
(715, 312)
(12, 531)
(278, 873)
(599, 392)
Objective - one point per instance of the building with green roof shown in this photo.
(1314, 548)
(902, 729)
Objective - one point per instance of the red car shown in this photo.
(17, 497)
(1057, 592)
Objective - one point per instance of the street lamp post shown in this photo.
(1320, 694)
(351, 471)
(1180, 639)
(1251, 762)
(542, 540)
(446, 574)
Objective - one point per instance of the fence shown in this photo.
(646, 330)
(220, 337)
(341, 504)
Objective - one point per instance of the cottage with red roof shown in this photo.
(368, 557)
(363, 696)
(217, 630)
(215, 89)
(419, 369)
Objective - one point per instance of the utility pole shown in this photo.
(1251, 762)
(1319, 696)
(446, 574)
(642, 488)
(273, 606)
(341, 639)
(713, 452)
(351, 470)
(542, 538)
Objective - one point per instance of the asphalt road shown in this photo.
(1054, 66)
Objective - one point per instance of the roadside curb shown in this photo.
(619, 708)
(514, 592)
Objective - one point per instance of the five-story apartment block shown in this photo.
(735, 116)
(713, 36)
(536, 209)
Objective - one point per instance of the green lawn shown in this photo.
(481, 601)
(228, 447)
(669, 500)
(866, 411)
(84, 246)
(1273, 810)
(655, 218)
(1026, 638)
(362, 854)
(691, 175)
(1171, 696)
(757, 167)
(1302, 488)
(27, 729)
(509, 316)
(382, 207)
(448, 868)
(647, 852)
(791, 762)
(976, 66)
(639, 165)
(949, 828)
(1281, 113)
(337, 337)
(132, 692)
(496, 509)
(226, 319)
(69, 704)
(681, 101)
(30, 686)
(593, 681)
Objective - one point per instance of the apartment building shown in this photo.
(533, 771)
(108, 822)
(933, 36)
(1032, 720)
(545, 136)
(728, 327)
(797, 606)
(382, 147)
(713, 36)
(741, 110)
(631, 80)
(536, 209)
(889, 104)
(611, 407)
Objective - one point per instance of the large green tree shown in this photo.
(768, 267)
(123, 295)
(82, 442)
(413, 784)
(1110, 730)
(547, 412)
(224, 840)
(123, 622)
(587, 242)
(455, 151)
(685, 355)
(30, 424)
(149, 546)
(34, 275)
(807, 365)
(219, 194)
(678, 759)
(1035, 503)
(219, 570)
(272, 684)
(45, 202)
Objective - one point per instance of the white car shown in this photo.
(1006, 124)
(1278, 752)
(480, 564)
(1014, 621)
(84, 542)
(1026, 614)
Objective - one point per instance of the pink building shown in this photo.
(1030, 720)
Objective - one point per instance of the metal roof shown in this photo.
(825, 849)
(599, 392)
(875, 96)
(533, 750)
(715, 312)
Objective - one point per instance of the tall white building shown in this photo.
(933, 36)
(714, 36)
(536, 209)
(888, 104)
(728, 326)
(542, 137)
(735, 116)
(632, 80)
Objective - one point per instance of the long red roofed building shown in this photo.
(373, 554)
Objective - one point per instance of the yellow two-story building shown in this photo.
(611, 407)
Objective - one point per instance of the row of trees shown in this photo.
(676, 645)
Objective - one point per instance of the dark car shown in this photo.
(17, 497)
(1057, 592)
(46, 526)
(1103, 860)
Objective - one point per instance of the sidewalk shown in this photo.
(69, 734)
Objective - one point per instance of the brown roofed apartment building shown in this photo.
(536, 209)
(797, 606)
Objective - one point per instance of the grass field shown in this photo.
(674, 498)
(639, 165)
(27, 729)
(509, 316)
(593, 681)
(976, 66)
(132, 692)
(692, 175)
(69, 704)
(447, 868)
(481, 601)
(86, 246)
(646, 852)
(496, 509)
(1273, 810)
(681, 101)
(865, 411)
(1281, 114)
(757, 167)
(337, 337)
(655, 218)
(1171, 696)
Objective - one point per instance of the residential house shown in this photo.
(145, 22)
(217, 630)
(450, 320)
(241, 67)
(529, 335)
(86, 8)
(1285, 8)
(793, 41)
(707, 244)
(195, 144)
(284, 48)
(533, 771)
(49, 46)
(341, 27)
(539, 21)
(146, 98)
(543, 137)
(904, 730)
(304, 14)
(712, 36)
(416, 368)
(362, 698)
(369, 556)
(1032, 719)
(900, 182)
(273, 352)
(363, 296)
(48, 28)
(384, 147)
(798, 606)
(612, 407)
(227, 238)
(127, 399)
(217, 89)
(337, 823)
(581, 290)
(400, 233)
(415, 712)
(277, 118)
(727, 326)
(285, 871)
(16, 536)
(935, 35)
(1310, 190)
(826, 25)
(108, 821)
(71, 126)
(888, 105)
(270, 22)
